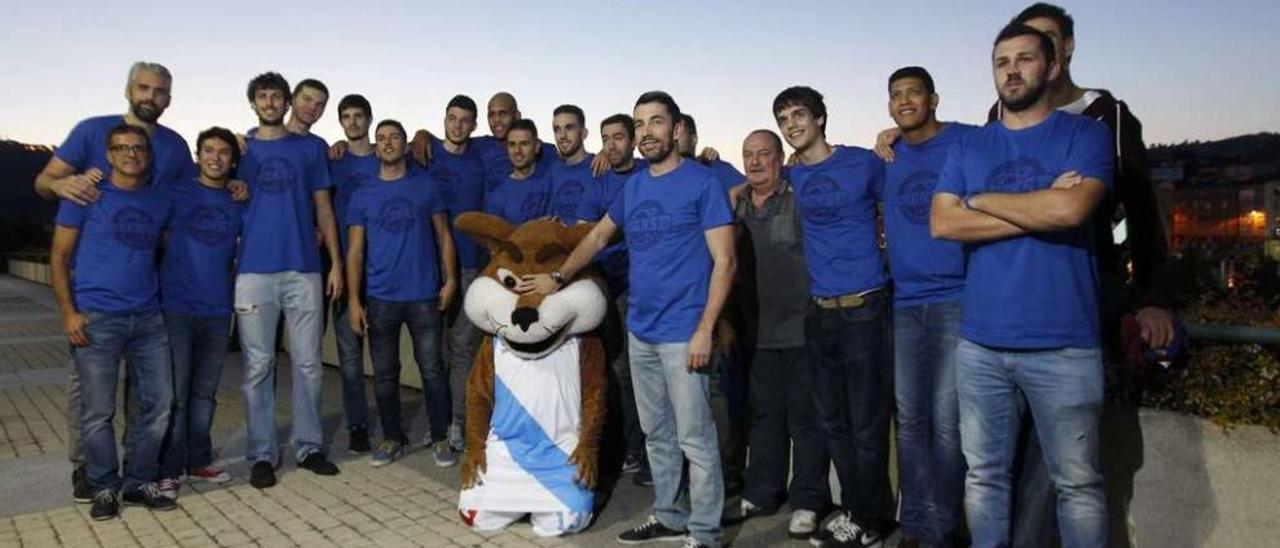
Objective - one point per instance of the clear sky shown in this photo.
(1188, 69)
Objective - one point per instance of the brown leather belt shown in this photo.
(851, 300)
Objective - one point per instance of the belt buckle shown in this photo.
(851, 301)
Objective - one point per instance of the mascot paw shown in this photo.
(585, 461)
(473, 465)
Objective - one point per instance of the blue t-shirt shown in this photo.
(86, 147)
(1038, 290)
(280, 219)
(349, 173)
(664, 220)
(728, 175)
(195, 276)
(925, 270)
(837, 202)
(595, 203)
(497, 165)
(115, 255)
(461, 179)
(519, 200)
(569, 184)
(401, 261)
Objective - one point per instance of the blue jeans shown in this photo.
(198, 345)
(674, 404)
(355, 405)
(1063, 389)
(850, 360)
(425, 324)
(260, 298)
(784, 428)
(139, 339)
(930, 464)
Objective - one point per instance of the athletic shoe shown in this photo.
(632, 464)
(690, 542)
(358, 440)
(211, 474)
(169, 487)
(386, 453)
(651, 530)
(319, 464)
(846, 533)
(802, 525)
(106, 505)
(263, 475)
(80, 486)
(644, 476)
(148, 495)
(457, 438)
(444, 455)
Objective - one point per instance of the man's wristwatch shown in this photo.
(557, 277)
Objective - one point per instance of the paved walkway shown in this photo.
(409, 503)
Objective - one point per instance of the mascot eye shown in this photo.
(507, 278)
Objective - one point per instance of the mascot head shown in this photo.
(530, 324)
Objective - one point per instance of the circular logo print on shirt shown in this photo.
(275, 175)
(447, 179)
(134, 228)
(349, 184)
(397, 215)
(210, 225)
(1021, 175)
(822, 201)
(646, 225)
(567, 199)
(915, 194)
(533, 205)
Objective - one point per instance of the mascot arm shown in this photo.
(479, 412)
(594, 402)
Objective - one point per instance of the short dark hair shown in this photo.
(571, 109)
(269, 80)
(803, 96)
(1014, 30)
(392, 123)
(1048, 11)
(126, 129)
(773, 139)
(690, 125)
(523, 124)
(918, 73)
(463, 102)
(313, 84)
(626, 121)
(355, 100)
(225, 135)
(665, 99)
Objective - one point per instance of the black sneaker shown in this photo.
(319, 464)
(148, 495)
(80, 486)
(631, 464)
(644, 476)
(651, 530)
(843, 532)
(263, 475)
(106, 505)
(358, 440)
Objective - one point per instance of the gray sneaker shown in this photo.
(444, 455)
(386, 453)
(457, 439)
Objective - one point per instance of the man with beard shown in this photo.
(1020, 193)
(279, 271)
(524, 193)
(400, 219)
(492, 149)
(728, 175)
(676, 220)
(617, 137)
(350, 172)
(457, 169)
(571, 176)
(847, 326)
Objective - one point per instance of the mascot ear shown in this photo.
(490, 231)
(572, 235)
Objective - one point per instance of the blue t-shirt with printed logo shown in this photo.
(925, 270)
(115, 257)
(664, 220)
(461, 179)
(196, 275)
(401, 260)
(595, 203)
(728, 175)
(279, 233)
(349, 173)
(86, 147)
(1037, 291)
(497, 165)
(569, 184)
(519, 200)
(837, 202)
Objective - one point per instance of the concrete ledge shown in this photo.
(29, 270)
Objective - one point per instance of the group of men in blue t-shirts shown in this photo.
(983, 305)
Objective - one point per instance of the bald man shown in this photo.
(491, 149)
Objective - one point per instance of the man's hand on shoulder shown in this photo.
(81, 188)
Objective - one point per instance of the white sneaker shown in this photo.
(802, 525)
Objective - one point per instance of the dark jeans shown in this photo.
(140, 339)
(424, 322)
(614, 333)
(782, 414)
(355, 405)
(461, 342)
(850, 357)
(198, 345)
